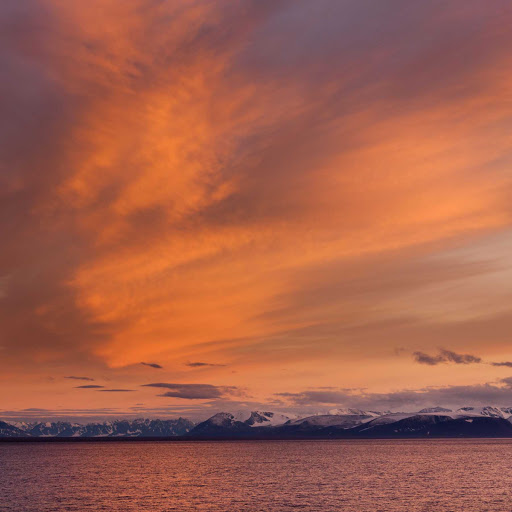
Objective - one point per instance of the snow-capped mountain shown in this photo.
(52, 429)
(433, 421)
(241, 421)
(221, 424)
(264, 418)
(118, 428)
(9, 430)
(467, 421)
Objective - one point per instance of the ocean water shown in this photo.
(355, 476)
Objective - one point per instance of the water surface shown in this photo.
(355, 476)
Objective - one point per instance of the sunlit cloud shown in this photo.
(263, 184)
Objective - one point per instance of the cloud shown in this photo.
(507, 364)
(201, 364)
(494, 393)
(254, 159)
(423, 358)
(460, 358)
(445, 356)
(153, 365)
(194, 391)
(114, 390)
(79, 378)
(64, 414)
(89, 386)
(260, 182)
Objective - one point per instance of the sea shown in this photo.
(338, 475)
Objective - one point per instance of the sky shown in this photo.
(289, 205)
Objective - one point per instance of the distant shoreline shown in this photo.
(183, 439)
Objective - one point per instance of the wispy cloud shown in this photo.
(235, 178)
(73, 377)
(89, 386)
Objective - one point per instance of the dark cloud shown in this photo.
(507, 364)
(89, 386)
(114, 390)
(194, 391)
(453, 357)
(200, 364)
(422, 358)
(153, 365)
(445, 356)
(79, 378)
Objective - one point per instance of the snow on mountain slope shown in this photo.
(355, 412)
(330, 420)
(486, 411)
(436, 410)
(390, 418)
(268, 419)
(263, 418)
(8, 430)
(53, 429)
(220, 425)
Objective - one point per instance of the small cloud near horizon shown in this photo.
(73, 377)
(507, 364)
(200, 364)
(153, 365)
(114, 390)
(89, 386)
(193, 391)
(445, 356)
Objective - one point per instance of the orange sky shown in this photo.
(302, 196)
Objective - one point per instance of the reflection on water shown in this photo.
(358, 476)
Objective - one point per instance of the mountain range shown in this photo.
(118, 428)
(467, 421)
